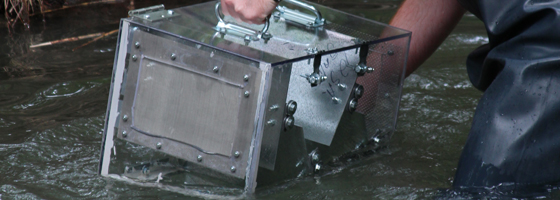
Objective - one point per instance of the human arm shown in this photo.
(430, 21)
(250, 11)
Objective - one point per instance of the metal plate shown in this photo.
(275, 114)
(320, 108)
(189, 101)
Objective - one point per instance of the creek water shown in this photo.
(53, 102)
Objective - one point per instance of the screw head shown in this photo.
(173, 56)
(246, 93)
(359, 91)
(199, 158)
(158, 145)
(125, 118)
(342, 86)
(124, 134)
(246, 78)
(352, 105)
(292, 107)
(289, 122)
(274, 107)
(271, 122)
(134, 57)
(232, 169)
(336, 100)
(137, 45)
(237, 154)
(216, 69)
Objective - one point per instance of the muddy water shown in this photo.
(53, 100)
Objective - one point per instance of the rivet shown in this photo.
(246, 78)
(125, 118)
(124, 134)
(336, 100)
(216, 69)
(137, 44)
(232, 169)
(199, 158)
(134, 57)
(246, 93)
(237, 154)
(158, 145)
(173, 56)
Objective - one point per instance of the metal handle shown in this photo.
(319, 18)
(247, 33)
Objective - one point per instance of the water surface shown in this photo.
(53, 101)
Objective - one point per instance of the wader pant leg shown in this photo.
(515, 134)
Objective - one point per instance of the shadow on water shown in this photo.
(53, 100)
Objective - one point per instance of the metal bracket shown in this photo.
(153, 13)
(299, 17)
(361, 69)
(315, 78)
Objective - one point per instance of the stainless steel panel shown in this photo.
(186, 106)
(189, 101)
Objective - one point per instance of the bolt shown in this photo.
(124, 134)
(292, 107)
(336, 100)
(324, 78)
(271, 122)
(390, 53)
(137, 44)
(289, 122)
(125, 118)
(158, 145)
(274, 107)
(358, 91)
(134, 57)
(369, 69)
(199, 158)
(237, 154)
(315, 157)
(317, 167)
(170, 12)
(232, 169)
(246, 78)
(216, 69)
(342, 86)
(352, 105)
(173, 56)
(246, 93)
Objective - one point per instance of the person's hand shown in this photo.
(250, 11)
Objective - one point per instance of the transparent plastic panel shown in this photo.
(289, 40)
